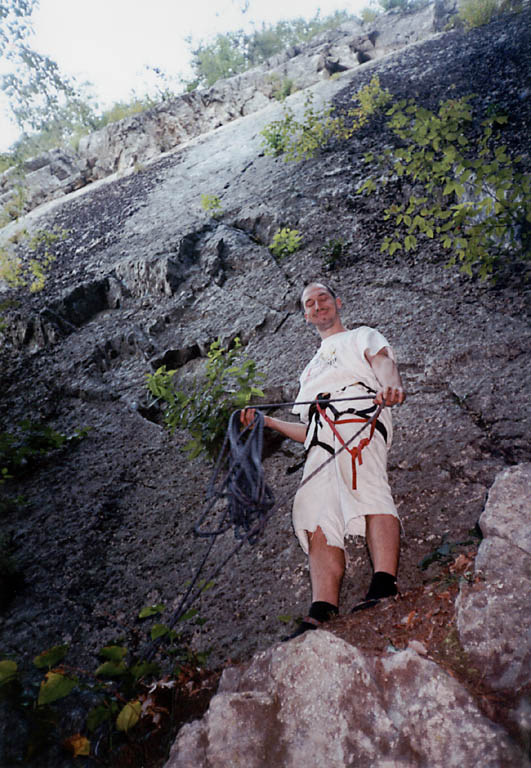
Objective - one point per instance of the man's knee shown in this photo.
(388, 524)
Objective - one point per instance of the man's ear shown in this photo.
(338, 303)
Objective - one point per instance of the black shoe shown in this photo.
(367, 604)
(383, 586)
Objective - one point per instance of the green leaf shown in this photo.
(129, 716)
(144, 668)
(55, 686)
(158, 630)
(151, 610)
(394, 246)
(111, 669)
(8, 671)
(410, 242)
(189, 614)
(113, 652)
(51, 657)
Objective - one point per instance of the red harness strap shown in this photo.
(355, 451)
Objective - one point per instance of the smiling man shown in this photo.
(350, 495)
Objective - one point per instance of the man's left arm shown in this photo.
(386, 371)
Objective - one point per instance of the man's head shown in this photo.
(321, 308)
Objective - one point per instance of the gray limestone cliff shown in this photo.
(144, 276)
(134, 141)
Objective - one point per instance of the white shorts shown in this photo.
(328, 500)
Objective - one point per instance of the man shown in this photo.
(351, 494)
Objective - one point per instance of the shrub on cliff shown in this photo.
(230, 382)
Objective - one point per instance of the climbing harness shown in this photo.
(243, 499)
(318, 413)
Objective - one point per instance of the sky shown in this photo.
(109, 43)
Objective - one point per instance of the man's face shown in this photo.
(320, 307)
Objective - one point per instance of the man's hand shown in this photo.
(390, 396)
(247, 416)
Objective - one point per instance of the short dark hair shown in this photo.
(317, 282)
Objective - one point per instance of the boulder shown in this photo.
(493, 615)
(318, 701)
(46, 177)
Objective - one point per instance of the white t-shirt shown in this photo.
(340, 361)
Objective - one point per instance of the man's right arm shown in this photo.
(292, 429)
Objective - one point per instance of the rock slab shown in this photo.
(318, 701)
(493, 616)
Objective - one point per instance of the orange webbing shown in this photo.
(356, 450)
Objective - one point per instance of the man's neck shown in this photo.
(336, 328)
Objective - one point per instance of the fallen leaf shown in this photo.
(78, 745)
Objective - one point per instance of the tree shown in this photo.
(39, 95)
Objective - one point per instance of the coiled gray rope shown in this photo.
(248, 496)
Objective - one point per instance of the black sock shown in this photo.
(382, 585)
(322, 611)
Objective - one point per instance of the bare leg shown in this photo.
(327, 566)
(383, 540)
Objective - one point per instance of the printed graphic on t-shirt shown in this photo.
(324, 358)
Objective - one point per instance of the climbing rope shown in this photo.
(241, 499)
(248, 496)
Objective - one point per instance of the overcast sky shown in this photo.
(110, 42)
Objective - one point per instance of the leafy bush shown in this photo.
(285, 242)
(333, 252)
(476, 13)
(299, 140)
(211, 204)
(302, 140)
(120, 704)
(462, 190)
(30, 272)
(230, 382)
(281, 88)
(368, 14)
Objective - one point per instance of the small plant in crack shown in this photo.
(212, 205)
(285, 242)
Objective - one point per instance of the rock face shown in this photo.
(134, 141)
(318, 701)
(43, 178)
(145, 277)
(493, 617)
